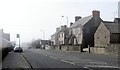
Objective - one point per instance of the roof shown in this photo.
(61, 30)
(81, 21)
(56, 32)
(113, 27)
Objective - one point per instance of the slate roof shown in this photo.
(113, 27)
(81, 21)
(61, 30)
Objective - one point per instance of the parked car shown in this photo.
(18, 49)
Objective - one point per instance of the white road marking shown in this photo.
(52, 57)
(63, 60)
(95, 62)
(101, 66)
(68, 62)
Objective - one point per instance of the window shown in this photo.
(62, 34)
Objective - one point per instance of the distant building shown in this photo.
(4, 35)
(117, 20)
(7, 36)
(119, 9)
(45, 43)
(1, 32)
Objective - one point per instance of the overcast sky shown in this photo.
(31, 18)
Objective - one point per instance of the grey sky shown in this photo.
(29, 17)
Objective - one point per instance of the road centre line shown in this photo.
(63, 60)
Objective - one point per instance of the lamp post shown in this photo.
(43, 34)
(115, 14)
(67, 19)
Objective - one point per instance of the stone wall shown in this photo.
(109, 49)
(74, 48)
(113, 49)
(97, 50)
(66, 48)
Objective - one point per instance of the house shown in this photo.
(107, 33)
(54, 37)
(75, 35)
(58, 38)
(63, 33)
(83, 29)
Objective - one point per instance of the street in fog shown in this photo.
(37, 58)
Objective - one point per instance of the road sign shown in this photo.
(18, 35)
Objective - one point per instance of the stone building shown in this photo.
(82, 31)
(107, 33)
(58, 38)
(63, 36)
(54, 37)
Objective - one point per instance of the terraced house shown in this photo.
(59, 37)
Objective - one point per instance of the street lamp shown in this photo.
(67, 19)
(43, 34)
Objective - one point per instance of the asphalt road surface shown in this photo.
(43, 59)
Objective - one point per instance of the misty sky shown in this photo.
(31, 18)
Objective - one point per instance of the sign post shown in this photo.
(18, 36)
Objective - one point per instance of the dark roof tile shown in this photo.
(113, 27)
(81, 21)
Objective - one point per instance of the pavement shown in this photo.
(15, 60)
(37, 59)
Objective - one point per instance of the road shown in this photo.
(37, 58)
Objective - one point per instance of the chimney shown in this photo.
(57, 29)
(63, 27)
(77, 18)
(71, 23)
(96, 13)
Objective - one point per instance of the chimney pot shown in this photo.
(77, 18)
(71, 23)
(63, 27)
(57, 29)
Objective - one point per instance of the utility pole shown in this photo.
(67, 19)
(43, 34)
(115, 14)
